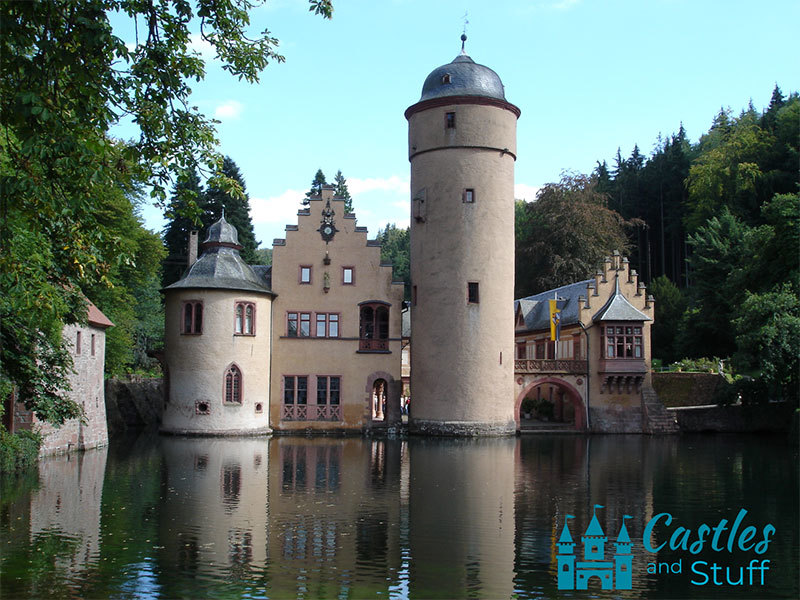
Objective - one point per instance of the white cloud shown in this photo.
(525, 192)
(202, 47)
(230, 109)
(281, 209)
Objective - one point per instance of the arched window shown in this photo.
(374, 327)
(233, 385)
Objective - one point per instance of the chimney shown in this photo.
(192, 248)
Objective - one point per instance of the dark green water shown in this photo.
(355, 518)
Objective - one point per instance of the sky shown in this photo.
(590, 76)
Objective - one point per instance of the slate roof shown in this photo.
(220, 266)
(536, 308)
(619, 309)
(467, 78)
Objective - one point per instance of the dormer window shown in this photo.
(446, 78)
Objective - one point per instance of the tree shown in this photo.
(66, 79)
(564, 234)
(236, 208)
(187, 190)
(767, 330)
(396, 249)
(316, 186)
(670, 306)
(341, 191)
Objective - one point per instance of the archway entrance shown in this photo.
(550, 402)
(379, 389)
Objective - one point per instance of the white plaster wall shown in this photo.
(197, 364)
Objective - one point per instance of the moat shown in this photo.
(328, 517)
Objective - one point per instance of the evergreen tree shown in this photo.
(316, 186)
(186, 212)
(236, 206)
(341, 191)
(396, 249)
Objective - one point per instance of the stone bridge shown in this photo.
(564, 381)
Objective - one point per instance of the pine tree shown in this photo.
(176, 233)
(341, 191)
(236, 210)
(316, 186)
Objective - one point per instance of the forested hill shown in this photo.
(711, 227)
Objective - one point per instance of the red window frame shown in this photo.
(295, 393)
(330, 392)
(329, 323)
(240, 318)
(623, 341)
(233, 385)
(192, 317)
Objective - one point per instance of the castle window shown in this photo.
(328, 389)
(446, 78)
(78, 343)
(473, 296)
(295, 398)
(245, 318)
(413, 295)
(305, 274)
(450, 120)
(374, 327)
(233, 385)
(327, 325)
(92, 346)
(468, 196)
(623, 341)
(298, 324)
(192, 317)
(348, 275)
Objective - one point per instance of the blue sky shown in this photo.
(589, 76)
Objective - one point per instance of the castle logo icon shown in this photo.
(613, 574)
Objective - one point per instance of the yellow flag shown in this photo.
(555, 321)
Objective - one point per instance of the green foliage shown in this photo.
(186, 212)
(697, 365)
(341, 191)
(264, 256)
(767, 328)
(669, 308)
(18, 451)
(564, 235)
(235, 206)
(66, 80)
(316, 186)
(396, 249)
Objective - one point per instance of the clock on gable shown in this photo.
(327, 228)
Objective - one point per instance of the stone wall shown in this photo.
(686, 389)
(772, 417)
(133, 403)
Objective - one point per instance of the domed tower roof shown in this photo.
(221, 266)
(462, 81)
(462, 77)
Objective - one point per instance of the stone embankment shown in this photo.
(133, 403)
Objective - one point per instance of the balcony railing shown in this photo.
(561, 365)
(311, 412)
(373, 345)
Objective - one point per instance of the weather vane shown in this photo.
(464, 31)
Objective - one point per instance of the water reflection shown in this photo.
(350, 517)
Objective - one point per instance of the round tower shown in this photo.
(217, 343)
(462, 149)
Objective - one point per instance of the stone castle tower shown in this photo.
(462, 149)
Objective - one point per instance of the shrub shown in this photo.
(18, 450)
